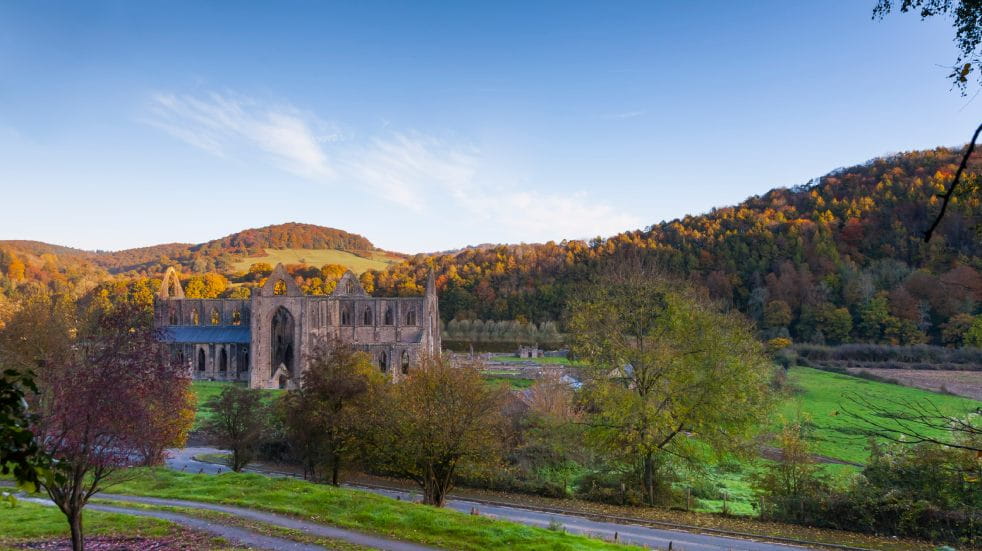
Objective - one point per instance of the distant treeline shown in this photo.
(511, 333)
(886, 356)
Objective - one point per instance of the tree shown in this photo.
(966, 16)
(260, 270)
(20, 454)
(238, 422)
(667, 369)
(794, 474)
(438, 419)
(953, 332)
(99, 404)
(321, 417)
(973, 336)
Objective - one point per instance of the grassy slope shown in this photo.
(319, 257)
(823, 396)
(32, 521)
(356, 510)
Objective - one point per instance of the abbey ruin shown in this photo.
(267, 340)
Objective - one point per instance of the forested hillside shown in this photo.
(841, 259)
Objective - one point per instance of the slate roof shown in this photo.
(225, 334)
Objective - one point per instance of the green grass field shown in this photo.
(30, 521)
(513, 382)
(355, 510)
(318, 257)
(547, 361)
(206, 390)
(822, 396)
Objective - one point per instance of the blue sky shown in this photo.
(433, 125)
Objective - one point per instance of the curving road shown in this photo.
(658, 538)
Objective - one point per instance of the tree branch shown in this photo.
(954, 184)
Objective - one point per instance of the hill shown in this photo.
(226, 254)
(839, 259)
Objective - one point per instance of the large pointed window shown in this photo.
(281, 333)
(388, 315)
(366, 318)
(345, 314)
(411, 317)
(216, 318)
(201, 359)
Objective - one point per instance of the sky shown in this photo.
(429, 126)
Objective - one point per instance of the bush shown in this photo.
(921, 356)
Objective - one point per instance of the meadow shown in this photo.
(357, 263)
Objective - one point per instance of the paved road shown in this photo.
(658, 538)
(234, 534)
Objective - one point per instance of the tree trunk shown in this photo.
(75, 523)
(649, 479)
(434, 491)
(335, 470)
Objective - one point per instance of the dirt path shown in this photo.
(236, 535)
(282, 521)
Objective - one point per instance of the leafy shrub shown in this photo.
(919, 356)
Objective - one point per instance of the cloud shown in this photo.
(224, 125)
(410, 169)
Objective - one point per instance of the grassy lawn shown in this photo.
(356, 510)
(513, 382)
(547, 361)
(319, 257)
(205, 390)
(30, 521)
(822, 397)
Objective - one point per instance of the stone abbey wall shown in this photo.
(268, 340)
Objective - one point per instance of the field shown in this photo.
(372, 260)
(821, 396)
(356, 510)
(205, 390)
(962, 383)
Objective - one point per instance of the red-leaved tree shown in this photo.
(102, 402)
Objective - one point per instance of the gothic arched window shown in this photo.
(411, 317)
(383, 362)
(216, 318)
(345, 315)
(388, 316)
(195, 317)
(201, 359)
(405, 362)
(366, 318)
(237, 318)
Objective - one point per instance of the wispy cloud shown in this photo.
(407, 168)
(226, 124)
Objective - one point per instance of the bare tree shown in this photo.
(915, 422)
